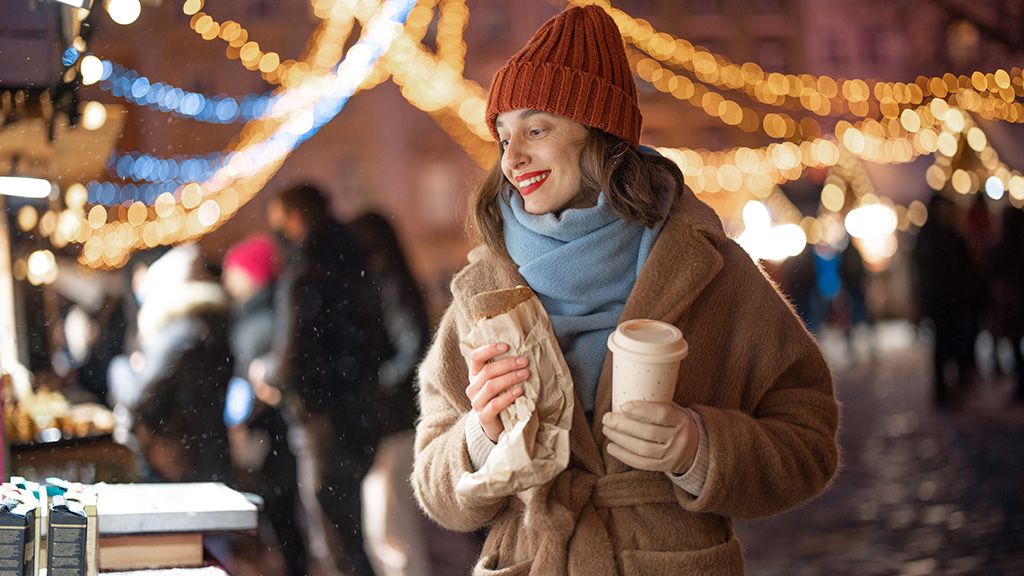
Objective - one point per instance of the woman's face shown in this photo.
(541, 157)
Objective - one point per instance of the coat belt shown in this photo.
(566, 507)
(633, 488)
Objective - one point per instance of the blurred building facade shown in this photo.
(381, 152)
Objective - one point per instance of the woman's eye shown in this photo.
(536, 131)
(504, 143)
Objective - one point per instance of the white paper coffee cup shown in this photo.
(645, 361)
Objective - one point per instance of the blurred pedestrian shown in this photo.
(602, 231)
(980, 232)
(797, 281)
(400, 539)
(325, 359)
(853, 275)
(947, 288)
(1007, 266)
(171, 391)
(404, 316)
(259, 439)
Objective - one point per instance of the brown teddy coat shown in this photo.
(754, 374)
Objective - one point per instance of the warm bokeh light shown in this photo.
(76, 196)
(870, 221)
(92, 70)
(877, 122)
(756, 216)
(42, 267)
(94, 115)
(28, 217)
(124, 12)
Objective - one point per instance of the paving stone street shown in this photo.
(922, 489)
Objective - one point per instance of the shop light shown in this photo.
(25, 187)
(871, 221)
(76, 3)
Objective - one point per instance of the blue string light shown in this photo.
(150, 168)
(70, 56)
(110, 194)
(350, 74)
(137, 89)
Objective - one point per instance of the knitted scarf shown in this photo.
(583, 265)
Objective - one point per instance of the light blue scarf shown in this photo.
(583, 265)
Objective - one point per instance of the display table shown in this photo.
(125, 509)
(138, 526)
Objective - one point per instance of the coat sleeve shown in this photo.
(780, 449)
(442, 455)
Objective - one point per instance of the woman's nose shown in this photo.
(515, 155)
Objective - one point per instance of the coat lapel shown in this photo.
(682, 263)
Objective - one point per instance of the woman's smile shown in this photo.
(531, 181)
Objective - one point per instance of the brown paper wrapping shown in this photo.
(534, 447)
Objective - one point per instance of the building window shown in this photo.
(262, 8)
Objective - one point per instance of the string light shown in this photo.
(110, 194)
(124, 12)
(897, 122)
(990, 94)
(138, 89)
(326, 47)
(199, 207)
(147, 167)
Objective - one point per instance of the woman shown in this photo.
(603, 232)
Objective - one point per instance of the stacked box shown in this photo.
(67, 535)
(86, 496)
(19, 536)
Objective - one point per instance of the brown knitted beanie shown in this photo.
(574, 66)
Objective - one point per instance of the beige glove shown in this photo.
(653, 436)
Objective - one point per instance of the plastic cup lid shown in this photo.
(649, 338)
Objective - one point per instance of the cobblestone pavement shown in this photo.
(922, 490)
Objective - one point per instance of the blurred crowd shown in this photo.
(965, 283)
(285, 370)
(970, 279)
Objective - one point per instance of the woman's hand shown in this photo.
(653, 436)
(491, 384)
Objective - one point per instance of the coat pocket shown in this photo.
(487, 566)
(725, 559)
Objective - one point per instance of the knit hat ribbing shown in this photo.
(574, 66)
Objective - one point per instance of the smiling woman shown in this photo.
(541, 158)
(603, 231)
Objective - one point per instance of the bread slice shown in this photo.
(497, 302)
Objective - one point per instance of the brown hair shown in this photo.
(639, 186)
